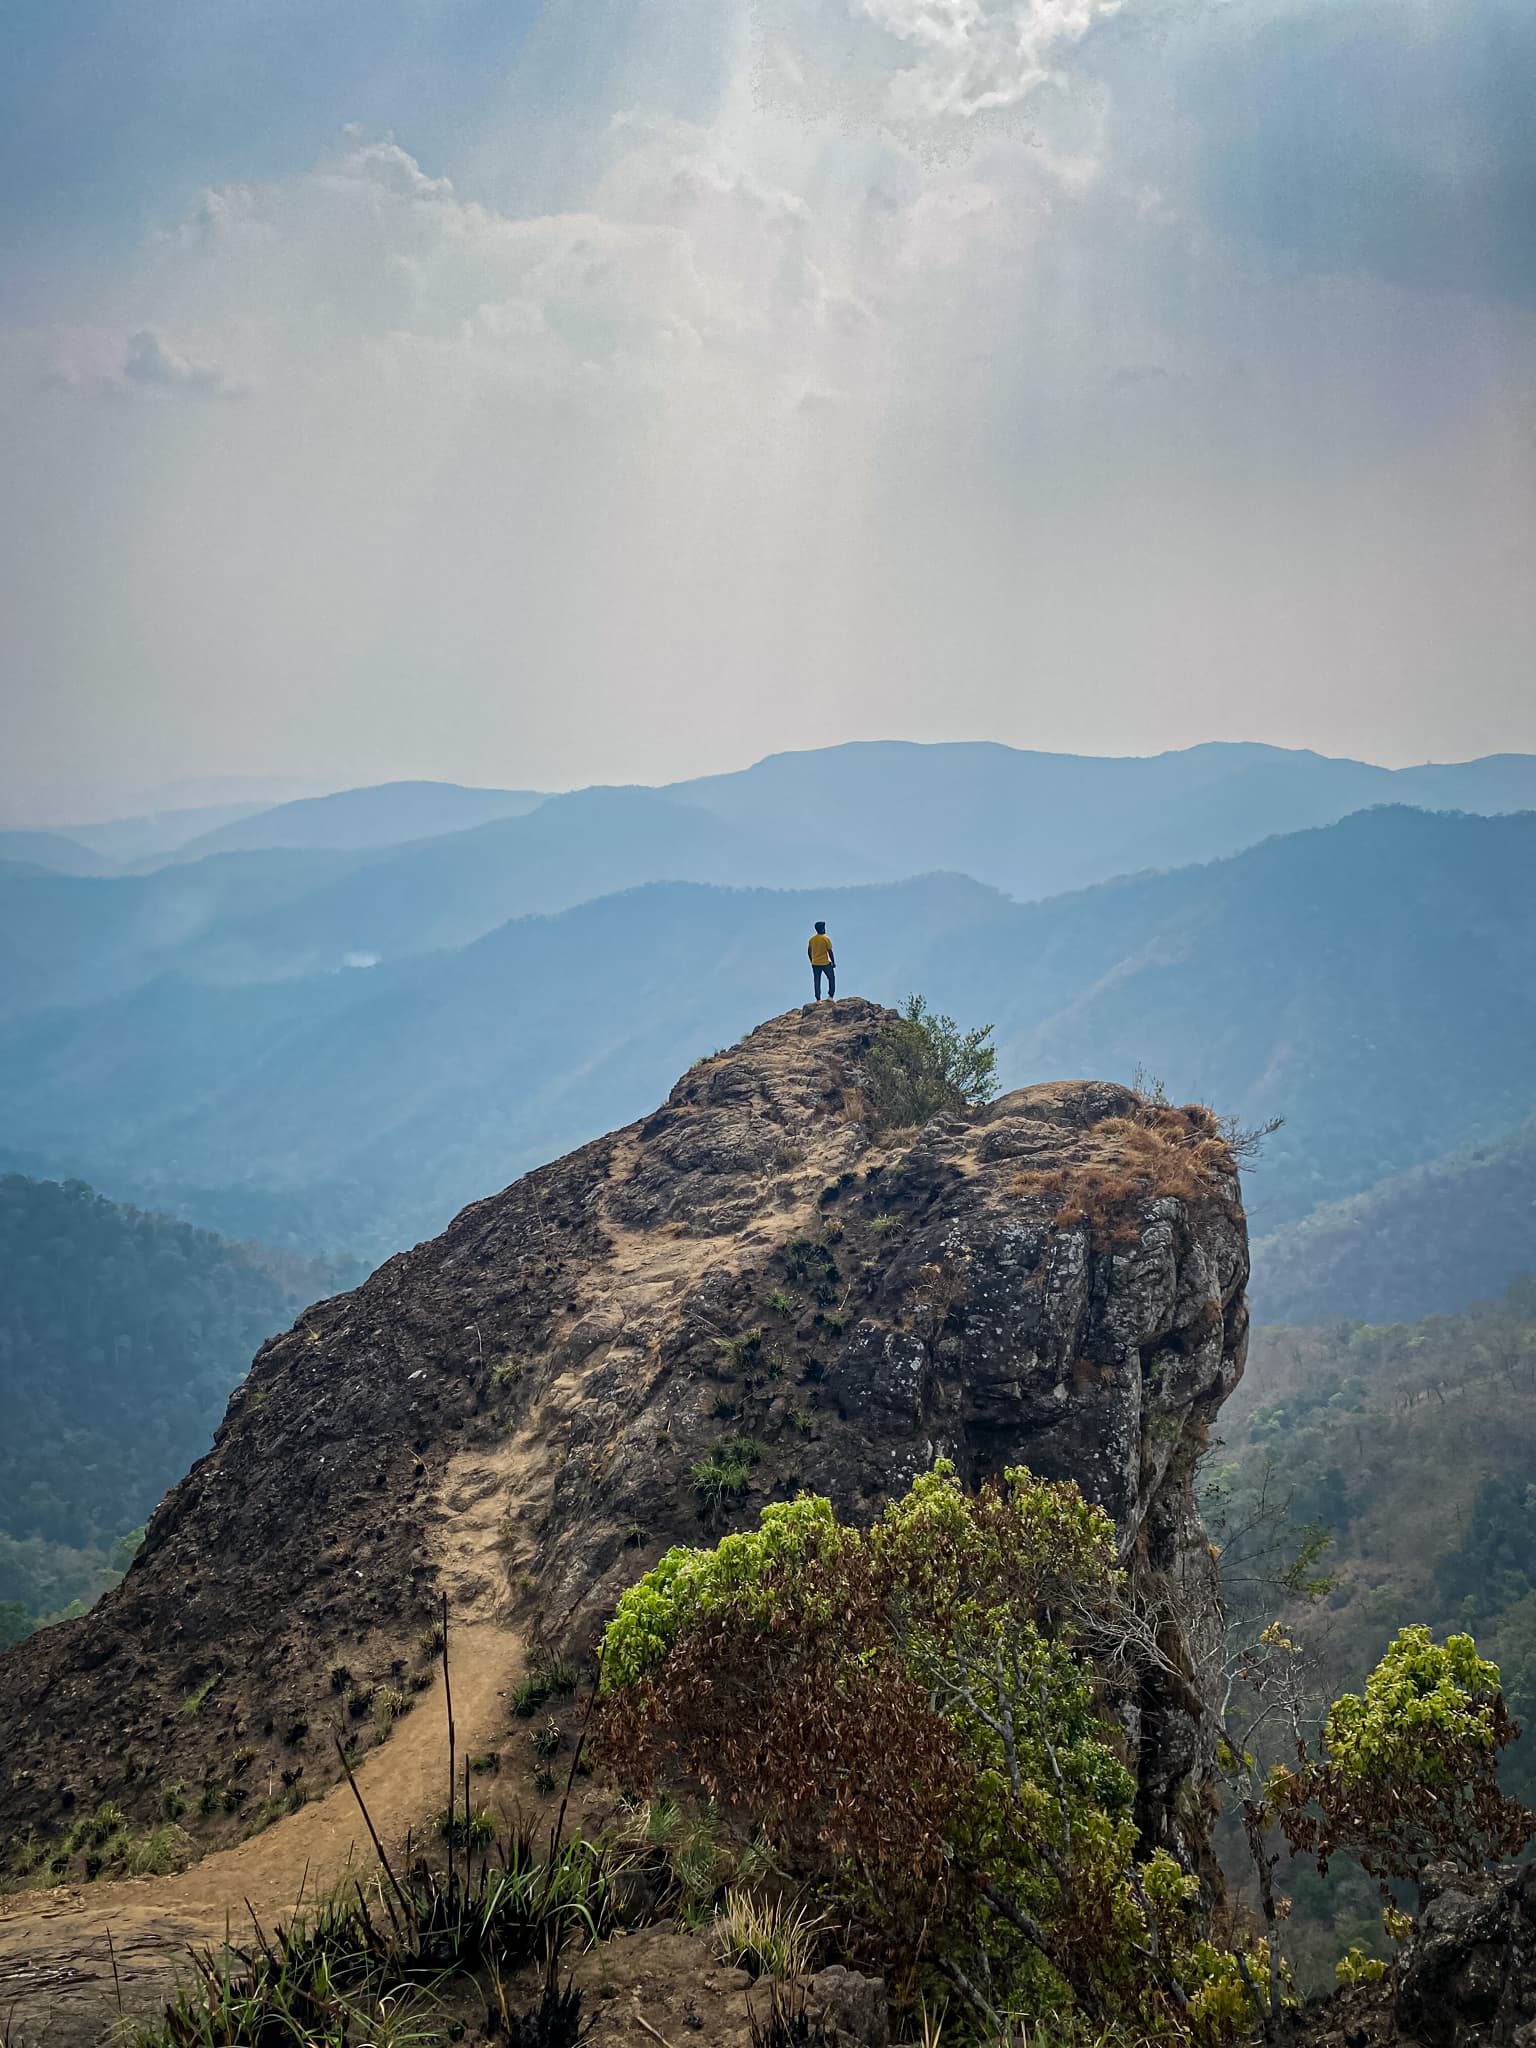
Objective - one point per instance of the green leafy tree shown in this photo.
(1405, 1773)
(1408, 1773)
(915, 1713)
(924, 1064)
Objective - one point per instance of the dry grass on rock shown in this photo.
(1155, 1152)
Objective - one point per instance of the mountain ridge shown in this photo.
(347, 820)
(1372, 981)
(1429, 1241)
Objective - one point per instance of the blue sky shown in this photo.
(544, 393)
(114, 113)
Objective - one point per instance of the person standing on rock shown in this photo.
(823, 961)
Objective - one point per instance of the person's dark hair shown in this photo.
(820, 926)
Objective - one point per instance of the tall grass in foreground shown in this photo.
(368, 1966)
(371, 1964)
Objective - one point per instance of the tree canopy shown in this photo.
(121, 1337)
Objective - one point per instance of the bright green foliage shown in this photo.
(926, 1064)
(1220, 2003)
(754, 1570)
(1424, 1708)
(1409, 1769)
(194, 1701)
(968, 1577)
(1358, 1968)
(915, 1713)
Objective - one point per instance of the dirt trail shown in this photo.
(56, 1969)
(56, 1966)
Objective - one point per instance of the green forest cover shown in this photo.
(121, 1337)
(1412, 1448)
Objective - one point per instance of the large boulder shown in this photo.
(513, 1415)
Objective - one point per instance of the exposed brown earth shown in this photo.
(61, 1978)
(511, 1415)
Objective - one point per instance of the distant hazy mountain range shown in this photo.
(378, 875)
(53, 854)
(330, 1021)
(1420, 1243)
(155, 834)
(1374, 981)
(1038, 824)
(1031, 824)
(356, 819)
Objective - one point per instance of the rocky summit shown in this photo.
(752, 1292)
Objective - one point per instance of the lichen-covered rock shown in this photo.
(854, 2009)
(1468, 1978)
(514, 1413)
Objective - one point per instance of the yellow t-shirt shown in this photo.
(821, 949)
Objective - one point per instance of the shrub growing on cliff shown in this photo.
(1409, 1769)
(913, 1714)
(1405, 1773)
(721, 1481)
(925, 1064)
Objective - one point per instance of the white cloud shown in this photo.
(152, 364)
(685, 266)
(100, 360)
(978, 56)
(683, 261)
(790, 421)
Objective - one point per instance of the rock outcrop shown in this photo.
(512, 1413)
(1468, 1977)
(1465, 1977)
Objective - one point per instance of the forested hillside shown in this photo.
(1425, 1242)
(1408, 1450)
(1415, 1445)
(121, 1335)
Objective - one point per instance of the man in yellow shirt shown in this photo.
(823, 962)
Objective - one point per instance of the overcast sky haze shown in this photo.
(606, 390)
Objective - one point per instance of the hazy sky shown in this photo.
(621, 389)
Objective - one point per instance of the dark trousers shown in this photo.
(831, 974)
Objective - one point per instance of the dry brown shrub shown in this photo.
(1153, 1152)
(835, 1754)
(941, 1289)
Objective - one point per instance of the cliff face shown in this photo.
(513, 1413)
